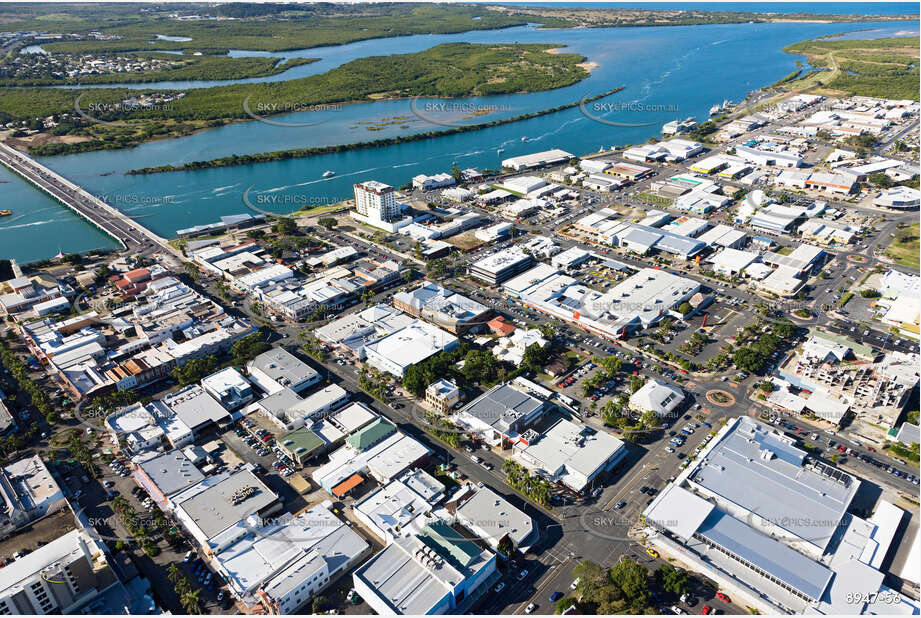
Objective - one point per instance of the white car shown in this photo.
(530, 608)
(669, 449)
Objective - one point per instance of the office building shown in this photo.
(277, 369)
(28, 492)
(494, 520)
(501, 414)
(501, 266)
(658, 397)
(69, 575)
(444, 308)
(570, 454)
(442, 395)
(229, 388)
(396, 352)
(433, 572)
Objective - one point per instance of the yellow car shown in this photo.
(652, 552)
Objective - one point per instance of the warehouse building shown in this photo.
(537, 159)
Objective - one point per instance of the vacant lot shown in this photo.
(904, 249)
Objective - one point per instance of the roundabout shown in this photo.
(720, 398)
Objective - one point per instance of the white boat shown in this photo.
(328, 173)
(714, 110)
(524, 139)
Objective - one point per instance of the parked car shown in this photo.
(556, 596)
(722, 597)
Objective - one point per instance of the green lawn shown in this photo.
(904, 249)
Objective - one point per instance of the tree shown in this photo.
(319, 604)
(285, 225)
(190, 602)
(650, 419)
(673, 580)
(766, 386)
(636, 383)
(685, 308)
(414, 380)
(191, 270)
(328, 222)
(868, 293)
(611, 365)
(249, 347)
(748, 359)
(633, 580)
(880, 180)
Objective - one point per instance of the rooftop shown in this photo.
(283, 367)
(171, 472)
(758, 469)
(227, 502)
(195, 407)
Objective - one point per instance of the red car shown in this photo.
(722, 597)
(706, 610)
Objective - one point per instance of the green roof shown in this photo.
(302, 438)
(371, 434)
(447, 542)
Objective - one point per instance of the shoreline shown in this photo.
(304, 153)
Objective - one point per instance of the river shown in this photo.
(667, 72)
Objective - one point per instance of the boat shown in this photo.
(5, 213)
(719, 108)
(500, 151)
(328, 174)
(524, 139)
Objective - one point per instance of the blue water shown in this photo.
(826, 8)
(687, 68)
(40, 226)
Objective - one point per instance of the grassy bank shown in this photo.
(877, 68)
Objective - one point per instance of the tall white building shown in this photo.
(376, 200)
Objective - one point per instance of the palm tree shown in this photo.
(173, 573)
(190, 602)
